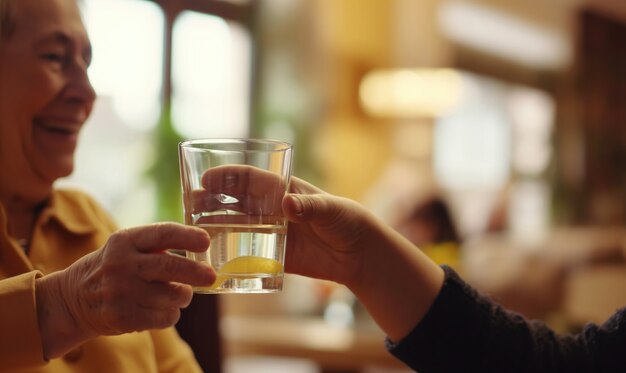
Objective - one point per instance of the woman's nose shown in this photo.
(79, 86)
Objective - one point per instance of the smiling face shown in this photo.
(45, 96)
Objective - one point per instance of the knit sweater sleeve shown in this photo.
(465, 331)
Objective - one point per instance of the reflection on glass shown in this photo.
(211, 77)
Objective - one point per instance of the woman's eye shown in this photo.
(53, 57)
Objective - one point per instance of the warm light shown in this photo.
(532, 119)
(503, 35)
(410, 93)
(127, 59)
(210, 76)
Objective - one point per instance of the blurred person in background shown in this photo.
(76, 295)
(429, 223)
(430, 226)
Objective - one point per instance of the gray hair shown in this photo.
(7, 25)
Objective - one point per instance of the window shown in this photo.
(127, 75)
(210, 77)
(497, 141)
(209, 92)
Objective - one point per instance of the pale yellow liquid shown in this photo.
(247, 258)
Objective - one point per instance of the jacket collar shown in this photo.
(68, 213)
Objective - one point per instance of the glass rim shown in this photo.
(279, 145)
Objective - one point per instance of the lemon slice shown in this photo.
(246, 265)
(252, 264)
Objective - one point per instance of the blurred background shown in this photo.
(492, 133)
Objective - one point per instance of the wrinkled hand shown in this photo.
(131, 284)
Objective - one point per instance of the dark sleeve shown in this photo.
(467, 332)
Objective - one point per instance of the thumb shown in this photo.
(320, 209)
(310, 208)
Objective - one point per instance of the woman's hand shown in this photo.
(131, 284)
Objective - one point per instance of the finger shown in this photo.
(138, 306)
(174, 268)
(243, 191)
(311, 208)
(164, 295)
(140, 318)
(163, 236)
(163, 318)
(335, 215)
(299, 186)
(242, 180)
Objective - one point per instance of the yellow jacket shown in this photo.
(70, 226)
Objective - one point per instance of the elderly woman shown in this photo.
(72, 289)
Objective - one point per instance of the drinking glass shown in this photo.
(233, 189)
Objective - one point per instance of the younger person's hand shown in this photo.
(337, 239)
(328, 236)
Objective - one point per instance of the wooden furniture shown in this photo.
(576, 275)
(199, 326)
(334, 349)
(593, 293)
